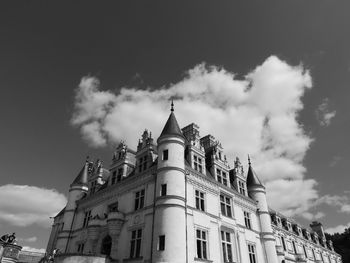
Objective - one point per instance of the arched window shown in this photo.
(106, 245)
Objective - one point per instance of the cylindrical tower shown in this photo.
(76, 190)
(169, 236)
(256, 190)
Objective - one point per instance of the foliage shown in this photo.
(341, 243)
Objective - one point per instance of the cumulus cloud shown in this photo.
(256, 114)
(28, 239)
(32, 249)
(341, 202)
(310, 216)
(324, 114)
(23, 205)
(337, 229)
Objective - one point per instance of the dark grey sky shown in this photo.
(46, 47)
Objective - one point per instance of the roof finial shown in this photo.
(249, 163)
(172, 105)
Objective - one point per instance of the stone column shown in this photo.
(115, 222)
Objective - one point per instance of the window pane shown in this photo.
(204, 249)
(199, 249)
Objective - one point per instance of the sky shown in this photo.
(268, 79)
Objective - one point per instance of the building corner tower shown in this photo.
(257, 192)
(169, 236)
(76, 191)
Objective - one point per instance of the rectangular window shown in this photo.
(218, 175)
(87, 217)
(251, 251)
(120, 174)
(163, 190)
(81, 247)
(145, 162)
(200, 200)
(165, 155)
(247, 220)
(114, 177)
(201, 238)
(197, 163)
(139, 199)
(283, 244)
(161, 243)
(241, 187)
(224, 178)
(135, 243)
(226, 246)
(225, 204)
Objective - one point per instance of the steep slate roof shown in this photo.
(172, 127)
(252, 178)
(82, 177)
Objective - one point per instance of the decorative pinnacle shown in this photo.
(249, 163)
(172, 105)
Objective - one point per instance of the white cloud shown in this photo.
(337, 229)
(310, 216)
(341, 202)
(23, 205)
(255, 115)
(32, 249)
(323, 114)
(28, 239)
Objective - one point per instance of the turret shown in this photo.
(169, 236)
(77, 189)
(256, 191)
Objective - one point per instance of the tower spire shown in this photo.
(249, 163)
(172, 105)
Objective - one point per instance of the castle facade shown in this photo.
(177, 200)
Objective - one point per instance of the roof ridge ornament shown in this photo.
(172, 105)
(249, 162)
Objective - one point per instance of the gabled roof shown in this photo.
(252, 178)
(82, 177)
(172, 127)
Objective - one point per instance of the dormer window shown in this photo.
(221, 177)
(241, 187)
(198, 163)
(165, 155)
(114, 177)
(142, 163)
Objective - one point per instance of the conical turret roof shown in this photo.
(82, 177)
(252, 178)
(172, 127)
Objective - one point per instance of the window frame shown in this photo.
(165, 155)
(161, 242)
(87, 218)
(252, 253)
(227, 246)
(197, 163)
(163, 189)
(247, 219)
(224, 206)
(135, 243)
(139, 201)
(241, 187)
(202, 251)
(199, 200)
